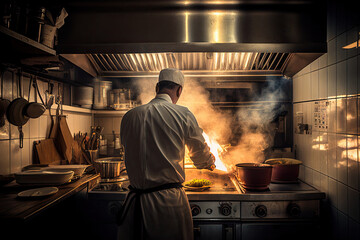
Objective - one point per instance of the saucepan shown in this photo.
(109, 168)
(254, 176)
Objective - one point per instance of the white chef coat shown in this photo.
(154, 137)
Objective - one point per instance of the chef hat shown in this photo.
(173, 75)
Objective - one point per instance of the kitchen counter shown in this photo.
(276, 192)
(13, 208)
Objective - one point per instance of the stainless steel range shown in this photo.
(227, 211)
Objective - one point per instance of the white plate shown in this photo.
(38, 192)
(38, 177)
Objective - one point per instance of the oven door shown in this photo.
(216, 230)
(280, 230)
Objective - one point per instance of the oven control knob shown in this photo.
(195, 210)
(261, 211)
(293, 210)
(225, 209)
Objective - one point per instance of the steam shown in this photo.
(254, 123)
(215, 123)
(257, 126)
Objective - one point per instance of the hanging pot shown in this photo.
(4, 103)
(15, 112)
(15, 116)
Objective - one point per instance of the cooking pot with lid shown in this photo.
(284, 169)
(254, 176)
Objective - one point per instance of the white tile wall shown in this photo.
(335, 169)
(331, 81)
(323, 84)
(341, 79)
(351, 76)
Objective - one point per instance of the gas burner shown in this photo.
(120, 186)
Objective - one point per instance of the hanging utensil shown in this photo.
(4, 103)
(35, 109)
(15, 116)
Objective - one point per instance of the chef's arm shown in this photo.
(199, 151)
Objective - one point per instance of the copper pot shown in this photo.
(109, 168)
(284, 169)
(254, 176)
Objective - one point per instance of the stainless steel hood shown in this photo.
(107, 64)
(210, 35)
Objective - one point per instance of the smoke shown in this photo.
(215, 124)
(196, 99)
(255, 124)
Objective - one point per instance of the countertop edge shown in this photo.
(65, 192)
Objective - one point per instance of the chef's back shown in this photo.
(154, 137)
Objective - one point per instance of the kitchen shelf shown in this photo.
(22, 44)
(109, 112)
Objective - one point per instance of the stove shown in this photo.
(228, 211)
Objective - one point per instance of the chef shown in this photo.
(154, 136)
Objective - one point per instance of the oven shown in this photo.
(226, 210)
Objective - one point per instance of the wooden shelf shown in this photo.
(109, 112)
(15, 42)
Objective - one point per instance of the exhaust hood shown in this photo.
(236, 35)
(107, 64)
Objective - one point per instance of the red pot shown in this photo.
(284, 169)
(254, 176)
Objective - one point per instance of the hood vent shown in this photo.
(112, 64)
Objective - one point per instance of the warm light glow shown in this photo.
(342, 143)
(351, 143)
(352, 154)
(215, 149)
(318, 139)
(186, 27)
(350, 117)
(321, 147)
(352, 45)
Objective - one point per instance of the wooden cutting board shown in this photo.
(65, 139)
(47, 153)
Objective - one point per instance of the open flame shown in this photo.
(216, 149)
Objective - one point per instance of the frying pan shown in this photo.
(15, 115)
(34, 109)
(15, 110)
